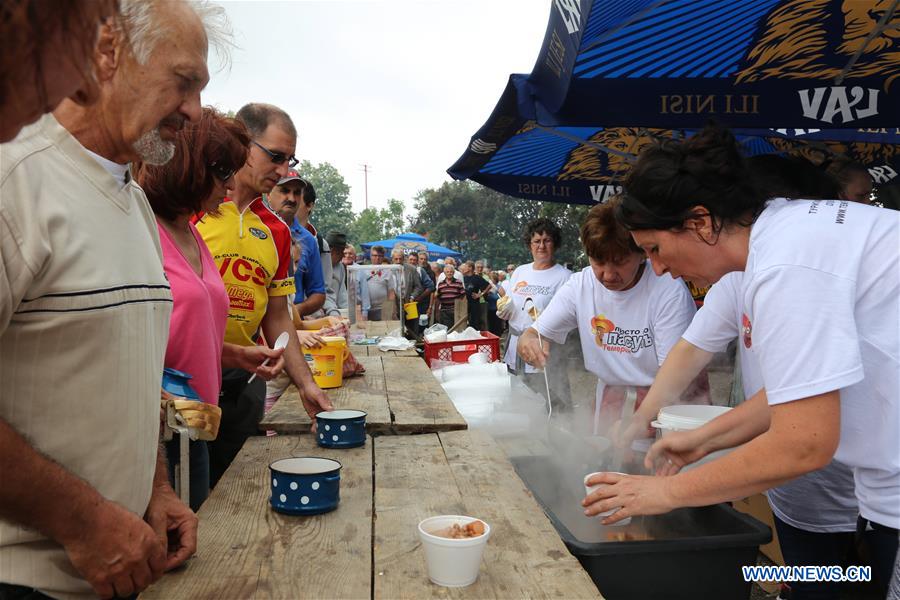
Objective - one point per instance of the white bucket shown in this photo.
(684, 417)
(452, 562)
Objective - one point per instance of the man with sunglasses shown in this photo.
(252, 248)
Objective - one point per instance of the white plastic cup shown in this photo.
(452, 563)
(590, 489)
(479, 358)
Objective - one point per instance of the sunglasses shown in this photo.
(277, 157)
(221, 172)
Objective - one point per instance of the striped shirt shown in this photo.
(84, 320)
(449, 291)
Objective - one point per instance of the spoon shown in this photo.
(541, 344)
(280, 344)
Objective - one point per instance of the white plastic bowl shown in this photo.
(452, 563)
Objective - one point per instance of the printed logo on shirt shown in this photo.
(615, 339)
(258, 233)
(240, 297)
(523, 289)
(746, 330)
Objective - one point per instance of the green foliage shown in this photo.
(481, 223)
(375, 224)
(465, 216)
(333, 211)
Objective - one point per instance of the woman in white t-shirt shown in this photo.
(529, 290)
(815, 514)
(627, 317)
(821, 316)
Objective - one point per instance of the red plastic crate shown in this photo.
(459, 352)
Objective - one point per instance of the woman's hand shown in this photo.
(531, 350)
(674, 451)
(251, 358)
(632, 494)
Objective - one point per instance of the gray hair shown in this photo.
(141, 20)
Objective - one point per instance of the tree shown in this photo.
(333, 210)
(367, 227)
(374, 224)
(481, 223)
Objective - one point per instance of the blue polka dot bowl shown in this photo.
(341, 428)
(305, 486)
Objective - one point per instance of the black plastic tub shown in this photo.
(692, 553)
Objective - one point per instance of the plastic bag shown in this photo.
(436, 333)
(388, 342)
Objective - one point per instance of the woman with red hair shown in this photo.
(196, 180)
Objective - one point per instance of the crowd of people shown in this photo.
(141, 231)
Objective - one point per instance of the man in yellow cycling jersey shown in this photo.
(252, 248)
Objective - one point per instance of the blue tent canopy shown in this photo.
(412, 242)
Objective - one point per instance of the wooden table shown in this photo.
(369, 548)
(399, 394)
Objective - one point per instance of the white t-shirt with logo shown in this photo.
(822, 300)
(625, 336)
(822, 501)
(539, 285)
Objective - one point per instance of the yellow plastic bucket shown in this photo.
(327, 362)
(412, 310)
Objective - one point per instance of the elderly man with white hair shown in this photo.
(85, 505)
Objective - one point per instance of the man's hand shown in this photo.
(314, 401)
(174, 523)
(117, 553)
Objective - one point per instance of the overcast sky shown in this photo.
(400, 85)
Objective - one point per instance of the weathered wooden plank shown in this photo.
(417, 401)
(246, 550)
(465, 473)
(364, 392)
(535, 562)
(359, 351)
(412, 482)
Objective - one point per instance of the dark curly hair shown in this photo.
(671, 178)
(545, 226)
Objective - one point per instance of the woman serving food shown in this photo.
(821, 317)
(628, 317)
